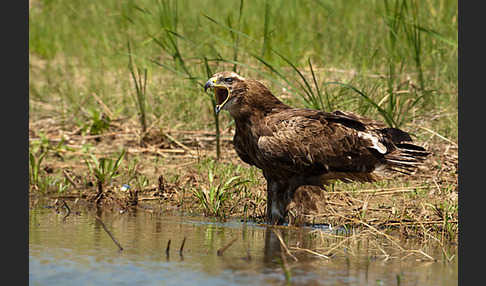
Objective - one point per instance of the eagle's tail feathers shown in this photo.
(406, 158)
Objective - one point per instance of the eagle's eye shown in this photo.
(228, 80)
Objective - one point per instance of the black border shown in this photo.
(471, 145)
(15, 140)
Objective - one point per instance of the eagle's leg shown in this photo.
(279, 196)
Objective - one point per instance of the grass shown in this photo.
(35, 167)
(227, 190)
(140, 83)
(282, 35)
(389, 60)
(104, 169)
(213, 197)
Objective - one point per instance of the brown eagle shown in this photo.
(295, 146)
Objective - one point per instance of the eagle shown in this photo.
(297, 146)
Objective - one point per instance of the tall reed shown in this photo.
(140, 82)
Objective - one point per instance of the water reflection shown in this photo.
(79, 251)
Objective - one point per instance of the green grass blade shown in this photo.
(308, 90)
(319, 95)
(388, 118)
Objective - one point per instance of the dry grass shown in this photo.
(162, 166)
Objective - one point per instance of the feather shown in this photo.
(295, 146)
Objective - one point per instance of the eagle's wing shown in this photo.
(314, 142)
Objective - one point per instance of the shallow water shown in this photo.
(78, 251)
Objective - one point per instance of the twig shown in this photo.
(72, 196)
(283, 245)
(311, 252)
(68, 177)
(103, 105)
(86, 137)
(68, 210)
(176, 166)
(178, 143)
(223, 249)
(378, 192)
(150, 198)
(167, 249)
(109, 233)
(285, 265)
(420, 252)
(386, 255)
(146, 150)
(160, 152)
(152, 125)
(182, 246)
(329, 251)
(437, 134)
(416, 222)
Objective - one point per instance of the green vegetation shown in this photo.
(226, 190)
(401, 54)
(104, 169)
(35, 167)
(130, 74)
(140, 83)
(215, 195)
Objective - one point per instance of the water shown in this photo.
(78, 251)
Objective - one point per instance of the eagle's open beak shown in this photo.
(221, 93)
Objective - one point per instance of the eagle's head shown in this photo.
(242, 97)
(227, 85)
